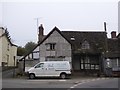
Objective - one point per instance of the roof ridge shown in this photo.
(82, 31)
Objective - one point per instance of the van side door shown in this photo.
(50, 70)
(39, 69)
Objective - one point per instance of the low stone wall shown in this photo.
(28, 63)
(31, 63)
(6, 68)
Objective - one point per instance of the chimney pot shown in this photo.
(113, 34)
(41, 33)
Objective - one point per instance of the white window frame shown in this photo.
(50, 46)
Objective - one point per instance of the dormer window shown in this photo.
(72, 38)
(85, 45)
(50, 46)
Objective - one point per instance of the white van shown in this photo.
(49, 69)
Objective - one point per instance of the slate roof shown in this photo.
(113, 45)
(113, 48)
(45, 37)
(118, 36)
(96, 40)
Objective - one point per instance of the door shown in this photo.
(39, 69)
(50, 70)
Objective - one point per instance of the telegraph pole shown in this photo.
(37, 21)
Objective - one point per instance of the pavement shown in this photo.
(11, 74)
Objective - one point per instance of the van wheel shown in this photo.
(63, 75)
(32, 76)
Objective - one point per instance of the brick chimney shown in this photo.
(40, 33)
(113, 34)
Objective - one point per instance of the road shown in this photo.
(98, 83)
(69, 84)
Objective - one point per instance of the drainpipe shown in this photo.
(24, 65)
(72, 57)
(14, 68)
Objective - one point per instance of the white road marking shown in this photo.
(93, 79)
(46, 80)
(62, 80)
(77, 85)
(86, 81)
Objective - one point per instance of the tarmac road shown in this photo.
(69, 84)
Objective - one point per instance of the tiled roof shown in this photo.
(113, 47)
(95, 39)
(118, 36)
(98, 42)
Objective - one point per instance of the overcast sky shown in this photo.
(83, 15)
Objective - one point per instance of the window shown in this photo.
(118, 62)
(72, 38)
(85, 45)
(50, 46)
(36, 55)
(53, 58)
(7, 59)
(4, 64)
(115, 62)
(85, 63)
(39, 65)
(87, 66)
(89, 63)
(8, 47)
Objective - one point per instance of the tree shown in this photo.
(29, 46)
(21, 51)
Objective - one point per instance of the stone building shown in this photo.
(82, 49)
(8, 50)
(87, 52)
